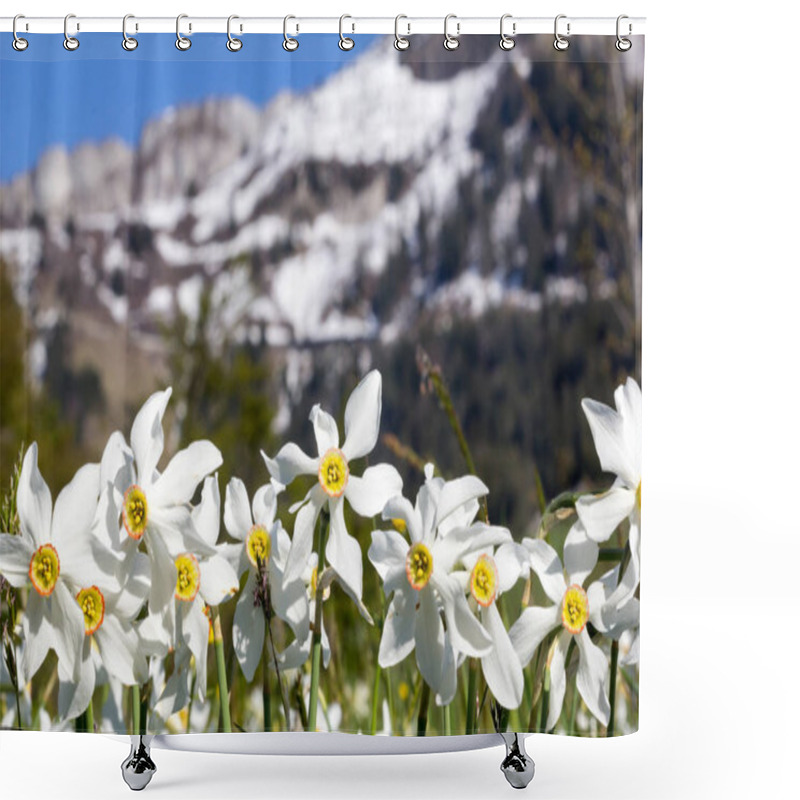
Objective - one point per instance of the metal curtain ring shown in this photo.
(128, 42)
(622, 44)
(560, 42)
(345, 43)
(18, 43)
(181, 41)
(400, 42)
(507, 42)
(233, 44)
(70, 42)
(451, 42)
(289, 44)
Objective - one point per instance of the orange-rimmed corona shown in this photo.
(134, 512)
(44, 569)
(93, 606)
(333, 472)
(187, 583)
(483, 581)
(419, 566)
(575, 609)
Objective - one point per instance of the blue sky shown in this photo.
(51, 96)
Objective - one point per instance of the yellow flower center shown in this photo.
(43, 570)
(639, 497)
(419, 566)
(93, 605)
(483, 581)
(575, 609)
(333, 472)
(134, 512)
(258, 546)
(188, 581)
(326, 592)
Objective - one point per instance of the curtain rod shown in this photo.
(582, 26)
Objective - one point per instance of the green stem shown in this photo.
(376, 691)
(448, 724)
(434, 375)
(265, 693)
(222, 677)
(424, 702)
(143, 714)
(135, 708)
(472, 700)
(545, 700)
(316, 649)
(612, 691)
(191, 703)
(90, 717)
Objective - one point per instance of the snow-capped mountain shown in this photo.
(408, 189)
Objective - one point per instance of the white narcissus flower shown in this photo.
(155, 506)
(56, 555)
(261, 542)
(201, 581)
(618, 440)
(490, 574)
(367, 494)
(418, 576)
(574, 608)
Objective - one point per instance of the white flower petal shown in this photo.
(466, 633)
(397, 639)
(178, 482)
(558, 680)
(547, 566)
(147, 435)
(302, 540)
(501, 666)
(369, 494)
(163, 574)
(400, 508)
(610, 441)
(194, 626)
(362, 417)
(155, 634)
(449, 679)
(325, 430)
(116, 464)
(580, 554)
(628, 400)
(37, 636)
(248, 631)
(600, 514)
(34, 502)
(119, 649)
(528, 632)
(136, 588)
(15, 559)
(290, 600)
(457, 493)
(238, 519)
(479, 537)
(75, 691)
(388, 553)
(511, 560)
(290, 462)
(296, 654)
(218, 580)
(265, 504)
(75, 506)
(632, 656)
(68, 627)
(429, 639)
(592, 679)
(343, 551)
(206, 515)
(174, 526)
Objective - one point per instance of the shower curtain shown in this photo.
(320, 393)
